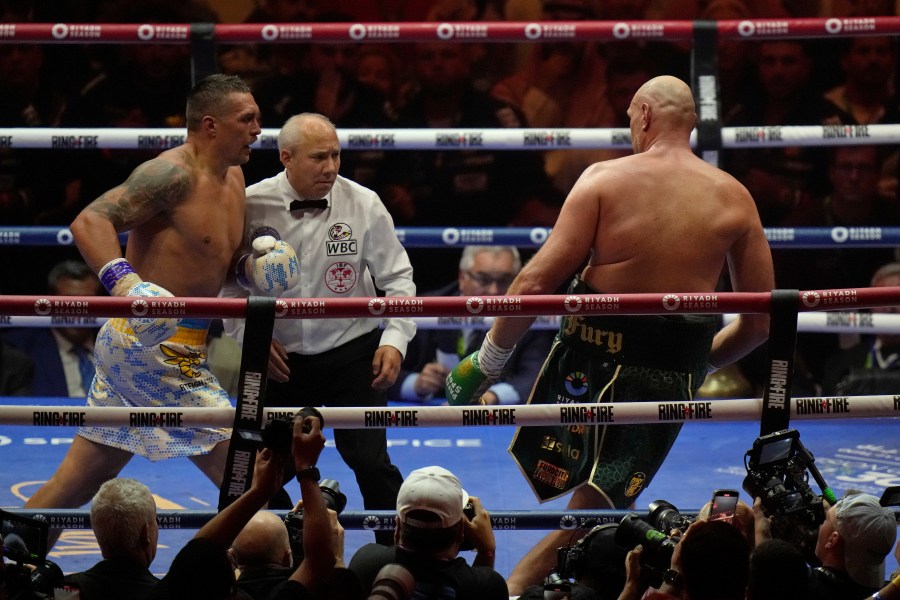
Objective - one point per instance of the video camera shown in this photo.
(25, 543)
(778, 469)
(654, 534)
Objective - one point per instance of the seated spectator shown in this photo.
(781, 180)
(431, 528)
(778, 571)
(483, 270)
(857, 535)
(123, 517)
(866, 94)
(710, 562)
(63, 356)
(203, 569)
(624, 72)
(854, 201)
(872, 365)
(16, 371)
(37, 82)
(562, 83)
(140, 85)
(474, 187)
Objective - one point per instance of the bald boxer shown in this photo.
(184, 211)
(660, 220)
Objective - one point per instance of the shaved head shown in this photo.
(662, 108)
(263, 541)
(671, 99)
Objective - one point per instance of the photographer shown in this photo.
(431, 529)
(262, 554)
(710, 562)
(596, 563)
(857, 535)
(203, 570)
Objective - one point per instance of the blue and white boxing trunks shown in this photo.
(171, 374)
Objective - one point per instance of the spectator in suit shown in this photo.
(483, 271)
(872, 365)
(63, 356)
(852, 202)
(16, 371)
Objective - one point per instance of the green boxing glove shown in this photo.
(476, 373)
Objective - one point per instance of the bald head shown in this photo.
(263, 541)
(671, 100)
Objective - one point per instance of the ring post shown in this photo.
(776, 409)
(203, 51)
(248, 414)
(705, 83)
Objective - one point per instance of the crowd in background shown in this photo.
(478, 85)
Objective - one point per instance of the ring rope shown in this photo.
(458, 31)
(448, 306)
(772, 136)
(66, 518)
(369, 520)
(522, 237)
(618, 413)
(819, 322)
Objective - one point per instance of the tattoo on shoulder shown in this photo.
(150, 189)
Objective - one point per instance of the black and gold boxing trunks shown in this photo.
(606, 359)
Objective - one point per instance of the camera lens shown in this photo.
(331, 492)
(657, 546)
(393, 582)
(665, 517)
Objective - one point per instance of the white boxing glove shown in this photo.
(120, 279)
(272, 267)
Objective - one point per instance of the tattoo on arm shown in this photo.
(152, 188)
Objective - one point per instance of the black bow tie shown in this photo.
(301, 204)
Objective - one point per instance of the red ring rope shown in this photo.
(457, 31)
(536, 305)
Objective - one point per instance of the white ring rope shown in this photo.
(83, 138)
(818, 322)
(393, 417)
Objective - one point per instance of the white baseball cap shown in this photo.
(868, 530)
(433, 489)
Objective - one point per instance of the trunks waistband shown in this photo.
(190, 332)
(669, 342)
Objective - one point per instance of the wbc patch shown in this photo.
(340, 240)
